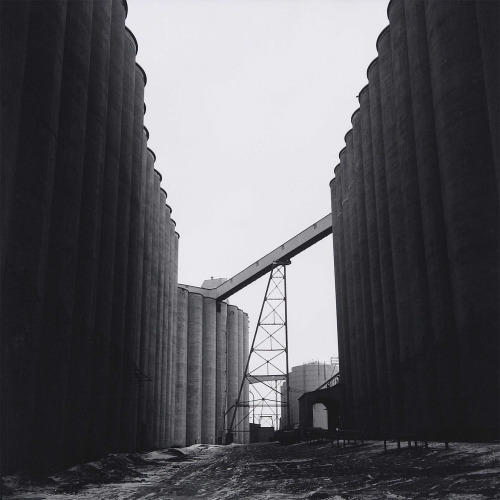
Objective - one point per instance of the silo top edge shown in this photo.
(347, 135)
(169, 207)
(146, 131)
(332, 181)
(336, 168)
(173, 222)
(152, 152)
(158, 174)
(178, 235)
(134, 39)
(342, 151)
(163, 191)
(362, 91)
(353, 115)
(144, 76)
(125, 6)
(383, 33)
(370, 67)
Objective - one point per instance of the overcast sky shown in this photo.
(248, 102)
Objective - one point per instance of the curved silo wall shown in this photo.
(135, 262)
(470, 204)
(181, 361)
(28, 226)
(232, 363)
(209, 375)
(119, 368)
(368, 342)
(86, 346)
(194, 369)
(144, 366)
(419, 361)
(221, 366)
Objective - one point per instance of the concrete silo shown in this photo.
(194, 369)
(232, 362)
(221, 365)
(470, 204)
(209, 374)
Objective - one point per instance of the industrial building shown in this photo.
(415, 213)
(104, 351)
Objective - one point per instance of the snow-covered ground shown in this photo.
(258, 472)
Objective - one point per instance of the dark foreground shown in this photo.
(271, 471)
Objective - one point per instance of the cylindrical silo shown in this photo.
(194, 369)
(167, 335)
(351, 374)
(470, 203)
(232, 367)
(86, 347)
(181, 359)
(336, 194)
(152, 387)
(434, 235)
(419, 361)
(160, 336)
(384, 244)
(209, 375)
(488, 15)
(147, 297)
(371, 396)
(121, 376)
(374, 273)
(358, 353)
(53, 418)
(398, 230)
(246, 384)
(172, 313)
(135, 261)
(241, 410)
(221, 375)
(101, 386)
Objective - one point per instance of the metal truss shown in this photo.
(267, 363)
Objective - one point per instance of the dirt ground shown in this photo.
(271, 471)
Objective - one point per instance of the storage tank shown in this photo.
(209, 375)
(194, 369)
(146, 300)
(470, 203)
(85, 355)
(232, 364)
(368, 341)
(221, 367)
(384, 244)
(374, 272)
(181, 360)
(136, 256)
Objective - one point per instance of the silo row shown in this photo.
(89, 252)
(415, 209)
(211, 341)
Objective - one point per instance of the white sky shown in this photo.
(248, 102)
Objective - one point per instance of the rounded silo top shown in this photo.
(353, 116)
(336, 168)
(125, 6)
(140, 69)
(178, 235)
(384, 33)
(146, 131)
(362, 91)
(162, 191)
(132, 38)
(331, 182)
(347, 135)
(342, 153)
(151, 152)
(370, 67)
(173, 222)
(169, 207)
(158, 174)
